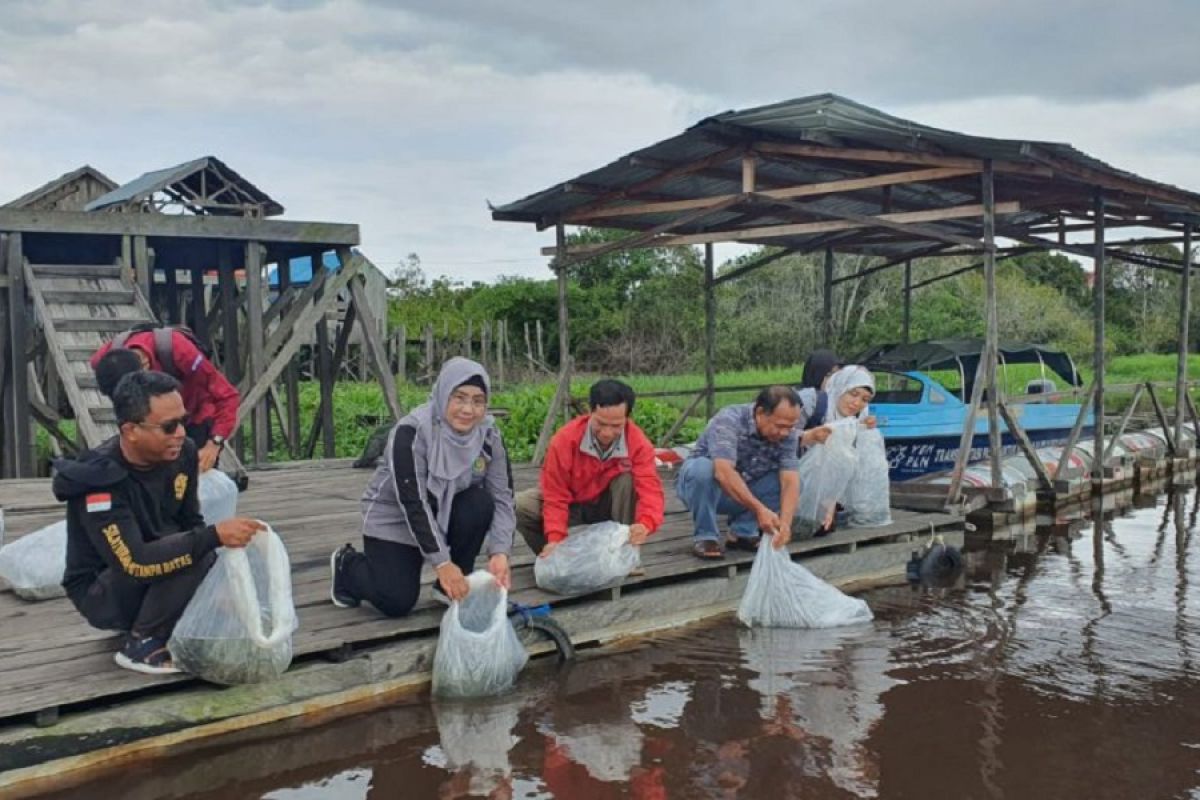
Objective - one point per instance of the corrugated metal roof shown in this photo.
(187, 174)
(830, 121)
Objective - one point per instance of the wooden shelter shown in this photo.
(825, 174)
(82, 259)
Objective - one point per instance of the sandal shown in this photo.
(747, 543)
(708, 550)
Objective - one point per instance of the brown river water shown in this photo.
(1063, 665)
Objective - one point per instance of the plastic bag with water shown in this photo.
(34, 564)
(478, 652)
(868, 497)
(218, 496)
(238, 626)
(590, 558)
(783, 594)
(825, 472)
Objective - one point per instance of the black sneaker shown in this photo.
(146, 654)
(337, 582)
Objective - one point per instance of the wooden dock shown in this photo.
(51, 661)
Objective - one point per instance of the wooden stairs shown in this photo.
(80, 307)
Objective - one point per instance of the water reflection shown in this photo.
(1061, 665)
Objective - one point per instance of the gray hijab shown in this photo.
(449, 454)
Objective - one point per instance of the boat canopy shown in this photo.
(962, 355)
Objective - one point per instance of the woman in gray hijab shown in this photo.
(441, 493)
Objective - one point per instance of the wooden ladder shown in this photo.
(80, 307)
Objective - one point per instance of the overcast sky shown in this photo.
(407, 118)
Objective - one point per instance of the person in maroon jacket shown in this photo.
(599, 467)
(210, 400)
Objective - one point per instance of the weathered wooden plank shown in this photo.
(304, 321)
(797, 229)
(373, 343)
(197, 227)
(77, 271)
(86, 296)
(93, 324)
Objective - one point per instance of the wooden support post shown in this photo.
(339, 352)
(710, 333)
(1185, 309)
(171, 290)
(907, 301)
(230, 351)
(1168, 433)
(402, 353)
(1076, 430)
(828, 297)
(992, 342)
(564, 317)
(8, 454)
(561, 398)
(199, 321)
(1195, 415)
(1133, 404)
(665, 441)
(372, 341)
(21, 431)
(1026, 447)
(291, 374)
(141, 267)
(968, 435)
(485, 343)
(541, 344)
(501, 336)
(1100, 278)
(127, 262)
(257, 358)
(430, 369)
(325, 375)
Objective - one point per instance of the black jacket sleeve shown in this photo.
(116, 536)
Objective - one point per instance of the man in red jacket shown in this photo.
(210, 400)
(599, 467)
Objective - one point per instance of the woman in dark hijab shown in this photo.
(441, 493)
(818, 367)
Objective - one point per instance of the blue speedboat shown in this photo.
(922, 420)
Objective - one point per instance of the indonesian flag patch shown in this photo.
(99, 502)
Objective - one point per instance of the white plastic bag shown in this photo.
(218, 496)
(783, 594)
(590, 558)
(34, 564)
(478, 652)
(238, 626)
(825, 472)
(868, 497)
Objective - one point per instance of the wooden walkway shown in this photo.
(50, 658)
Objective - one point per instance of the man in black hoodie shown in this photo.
(137, 545)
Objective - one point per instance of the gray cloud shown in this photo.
(905, 50)
(407, 118)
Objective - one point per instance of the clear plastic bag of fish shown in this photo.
(826, 471)
(238, 627)
(590, 558)
(868, 497)
(33, 565)
(478, 652)
(218, 496)
(783, 594)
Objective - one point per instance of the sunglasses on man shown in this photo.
(169, 427)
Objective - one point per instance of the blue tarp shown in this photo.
(302, 272)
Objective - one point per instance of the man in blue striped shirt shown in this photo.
(745, 465)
